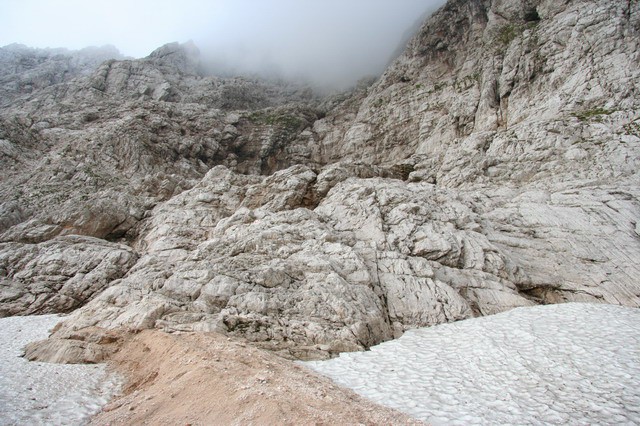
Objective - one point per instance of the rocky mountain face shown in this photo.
(25, 70)
(493, 165)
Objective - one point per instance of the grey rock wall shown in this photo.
(493, 165)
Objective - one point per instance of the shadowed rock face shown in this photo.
(493, 165)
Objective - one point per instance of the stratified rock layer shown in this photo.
(493, 165)
(59, 275)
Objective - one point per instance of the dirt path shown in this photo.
(206, 379)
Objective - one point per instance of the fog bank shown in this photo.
(330, 43)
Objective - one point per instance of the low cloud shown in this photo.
(330, 43)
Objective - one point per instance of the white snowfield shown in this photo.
(556, 364)
(36, 393)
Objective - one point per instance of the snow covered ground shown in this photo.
(35, 393)
(555, 364)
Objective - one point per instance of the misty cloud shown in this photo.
(330, 43)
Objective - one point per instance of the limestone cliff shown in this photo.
(533, 107)
(24, 70)
(493, 165)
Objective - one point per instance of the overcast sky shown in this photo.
(329, 41)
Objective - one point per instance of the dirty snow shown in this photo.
(36, 393)
(555, 364)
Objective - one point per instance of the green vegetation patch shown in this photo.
(283, 121)
(467, 81)
(593, 114)
(378, 103)
(439, 86)
(508, 33)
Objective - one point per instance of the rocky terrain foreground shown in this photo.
(493, 165)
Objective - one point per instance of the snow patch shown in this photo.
(554, 364)
(37, 393)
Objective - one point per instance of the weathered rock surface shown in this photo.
(489, 84)
(493, 165)
(58, 275)
(90, 345)
(375, 257)
(24, 70)
(531, 109)
(102, 150)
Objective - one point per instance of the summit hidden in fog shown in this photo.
(330, 44)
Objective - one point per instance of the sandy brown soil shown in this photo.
(207, 379)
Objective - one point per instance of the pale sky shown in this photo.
(324, 39)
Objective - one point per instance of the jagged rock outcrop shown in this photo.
(479, 67)
(493, 165)
(241, 255)
(59, 275)
(24, 70)
(533, 106)
(91, 156)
